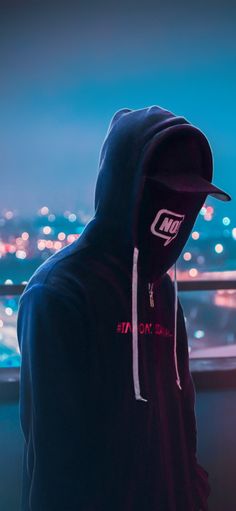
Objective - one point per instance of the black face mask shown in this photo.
(164, 223)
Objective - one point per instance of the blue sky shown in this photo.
(65, 69)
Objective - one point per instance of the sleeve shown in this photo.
(200, 476)
(53, 390)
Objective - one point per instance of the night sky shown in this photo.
(66, 68)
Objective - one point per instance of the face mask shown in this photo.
(164, 223)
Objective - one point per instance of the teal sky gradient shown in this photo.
(65, 70)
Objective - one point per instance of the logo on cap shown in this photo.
(166, 225)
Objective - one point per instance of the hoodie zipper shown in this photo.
(151, 297)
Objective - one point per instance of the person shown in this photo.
(107, 401)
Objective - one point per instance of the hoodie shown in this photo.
(107, 401)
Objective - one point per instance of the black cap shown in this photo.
(189, 183)
(180, 158)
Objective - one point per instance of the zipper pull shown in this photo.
(151, 297)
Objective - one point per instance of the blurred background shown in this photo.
(66, 67)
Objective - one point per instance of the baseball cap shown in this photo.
(189, 183)
(180, 159)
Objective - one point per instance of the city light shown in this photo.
(208, 213)
(44, 210)
(61, 236)
(210, 210)
(225, 298)
(57, 245)
(2, 248)
(49, 243)
(199, 334)
(20, 254)
(9, 215)
(47, 229)
(41, 244)
(193, 272)
(72, 217)
(25, 235)
(203, 210)
(187, 256)
(226, 220)
(219, 248)
(8, 311)
(72, 237)
(195, 235)
(45, 238)
(208, 217)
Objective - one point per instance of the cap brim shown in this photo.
(189, 183)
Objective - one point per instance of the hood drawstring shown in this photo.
(175, 327)
(135, 327)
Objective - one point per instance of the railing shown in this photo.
(183, 285)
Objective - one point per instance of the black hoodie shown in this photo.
(107, 402)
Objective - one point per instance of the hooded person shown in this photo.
(107, 401)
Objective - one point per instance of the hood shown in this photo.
(134, 141)
(137, 218)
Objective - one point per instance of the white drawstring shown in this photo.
(135, 326)
(175, 328)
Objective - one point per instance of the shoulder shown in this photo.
(60, 276)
